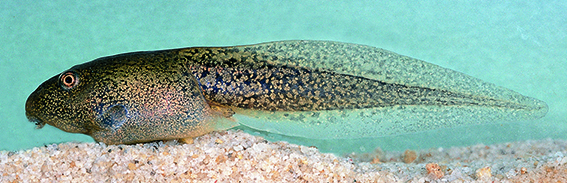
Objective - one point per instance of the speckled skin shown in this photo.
(126, 98)
(183, 93)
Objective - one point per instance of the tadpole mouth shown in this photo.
(38, 122)
(31, 110)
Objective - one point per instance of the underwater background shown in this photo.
(517, 45)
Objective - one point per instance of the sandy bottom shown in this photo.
(234, 155)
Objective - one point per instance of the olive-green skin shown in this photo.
(114, 105)
(181, 93)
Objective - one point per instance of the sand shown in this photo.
(234, 156)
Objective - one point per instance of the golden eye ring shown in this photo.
(68, 80)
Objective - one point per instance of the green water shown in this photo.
(518, 45)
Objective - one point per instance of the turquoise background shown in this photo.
(518, 45)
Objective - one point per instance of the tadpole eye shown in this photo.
(68, 80)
